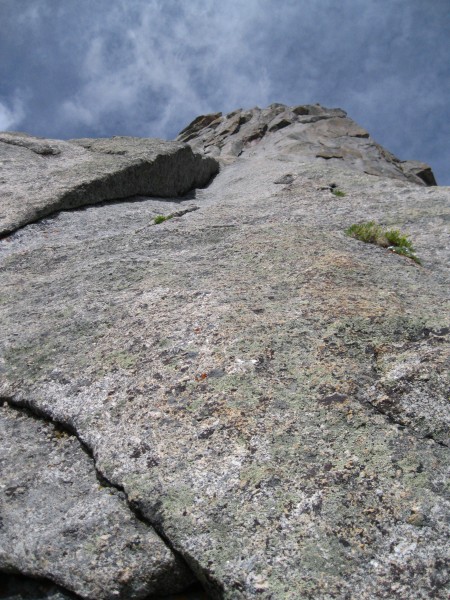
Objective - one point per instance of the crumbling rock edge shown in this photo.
(323, 133)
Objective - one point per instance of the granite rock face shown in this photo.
(312, 131)
(40, 177)
(60, 523)
(267, 393)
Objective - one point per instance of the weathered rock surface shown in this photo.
(271, 394)
(313, 131)
(60, 523)
(39, 177)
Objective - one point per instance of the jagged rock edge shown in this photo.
(34, 412)
(64, 203)
(414, 171)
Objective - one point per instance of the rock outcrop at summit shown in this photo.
(312, 131)
(240, 394)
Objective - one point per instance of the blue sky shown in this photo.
(73, 68)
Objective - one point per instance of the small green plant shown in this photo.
(338, 193)
(392, 239)
(161, 218)
(369, 232)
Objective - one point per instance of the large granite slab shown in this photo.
(39, 177)
(270, 394)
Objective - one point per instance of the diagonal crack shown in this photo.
(33, 412)
(398, 421)
(178, 213)
(395, 417)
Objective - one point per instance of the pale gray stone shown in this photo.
(40, 177)
(271, 394)
(59, 522)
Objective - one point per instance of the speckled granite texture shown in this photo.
(270, 394)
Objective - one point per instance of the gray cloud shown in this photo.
(147, 67)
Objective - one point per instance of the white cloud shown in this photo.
(148, 67)
(10, 117)
(188, 58)
(186, 63)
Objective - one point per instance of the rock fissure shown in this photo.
(403, 376)
(172, 215)
(404, 425)
(65, 427)
(93, 171)
(212, 586)
(177, 213)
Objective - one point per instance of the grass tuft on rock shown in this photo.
(161, 218)
(392, 239)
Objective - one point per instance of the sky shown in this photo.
(83, 68)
